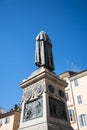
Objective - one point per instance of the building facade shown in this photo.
(10, 120)
(76, 96)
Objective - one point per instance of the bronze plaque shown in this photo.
(33, 109)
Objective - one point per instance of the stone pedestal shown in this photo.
(43, 102)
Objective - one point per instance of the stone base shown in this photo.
(58, 127)
(41, 126)
(50, 97)
(47, 126)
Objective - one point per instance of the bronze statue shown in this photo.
(43, 52)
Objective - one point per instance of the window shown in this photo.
(83, 120)
(76, 82)
(79, 99)
(71, 115)
(0, 122)
(6, 120)
(67, 96)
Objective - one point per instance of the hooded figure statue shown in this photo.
(43, 52)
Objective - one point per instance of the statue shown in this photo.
(43, 52)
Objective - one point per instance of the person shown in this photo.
(43, 52)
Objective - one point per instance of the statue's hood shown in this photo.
(42, 36)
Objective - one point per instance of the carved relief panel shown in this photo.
(33, 109)
(56, 98)
(33, 101)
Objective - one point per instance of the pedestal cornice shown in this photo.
(41, 73)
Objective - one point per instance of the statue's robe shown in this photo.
(43, 52)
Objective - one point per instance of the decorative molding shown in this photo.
(57, 93)
(32, 92)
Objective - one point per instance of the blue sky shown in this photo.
(65, 21)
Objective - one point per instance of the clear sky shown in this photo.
(65, 21)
